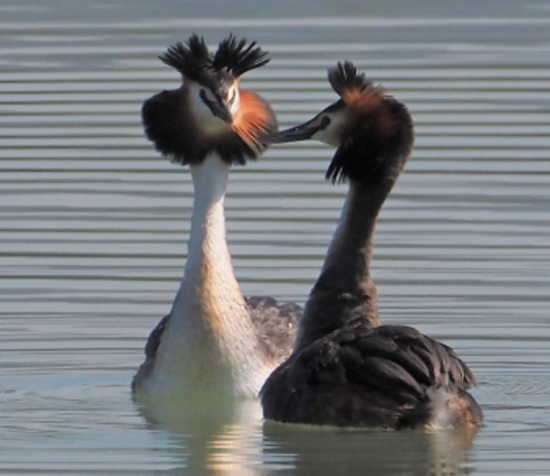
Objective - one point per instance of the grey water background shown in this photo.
(94, 226)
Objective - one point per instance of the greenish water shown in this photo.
(94, 226)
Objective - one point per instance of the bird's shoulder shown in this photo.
(275, 323)
(155, 337)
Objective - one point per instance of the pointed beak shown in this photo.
(221, 109)
(304, 131)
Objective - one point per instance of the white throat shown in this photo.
(208, 257)
(210, 344)
(331, 135)
(208, 221)
(208, 123)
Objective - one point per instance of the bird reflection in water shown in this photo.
(225, 436)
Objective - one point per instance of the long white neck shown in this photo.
(207, 242)
(208, 278)
(211, 341)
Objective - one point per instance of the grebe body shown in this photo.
(346, 369)
(214, 341)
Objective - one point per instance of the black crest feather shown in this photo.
(174, 133)
(190, 59)
(336, 171)
(238, 58)
(344, 77)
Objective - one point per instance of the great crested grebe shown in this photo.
(346, 369)
(214, 341)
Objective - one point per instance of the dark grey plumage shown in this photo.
(153, 341)
(275, 323)
(357, 376)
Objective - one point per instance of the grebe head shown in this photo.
(210, 112)
(372, 131)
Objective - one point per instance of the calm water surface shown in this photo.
(94, 226)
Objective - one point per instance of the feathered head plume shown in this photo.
(193, 60)
(379, 138)
(346, 80)
(190, 59)
(168, 119)
(238, 58)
